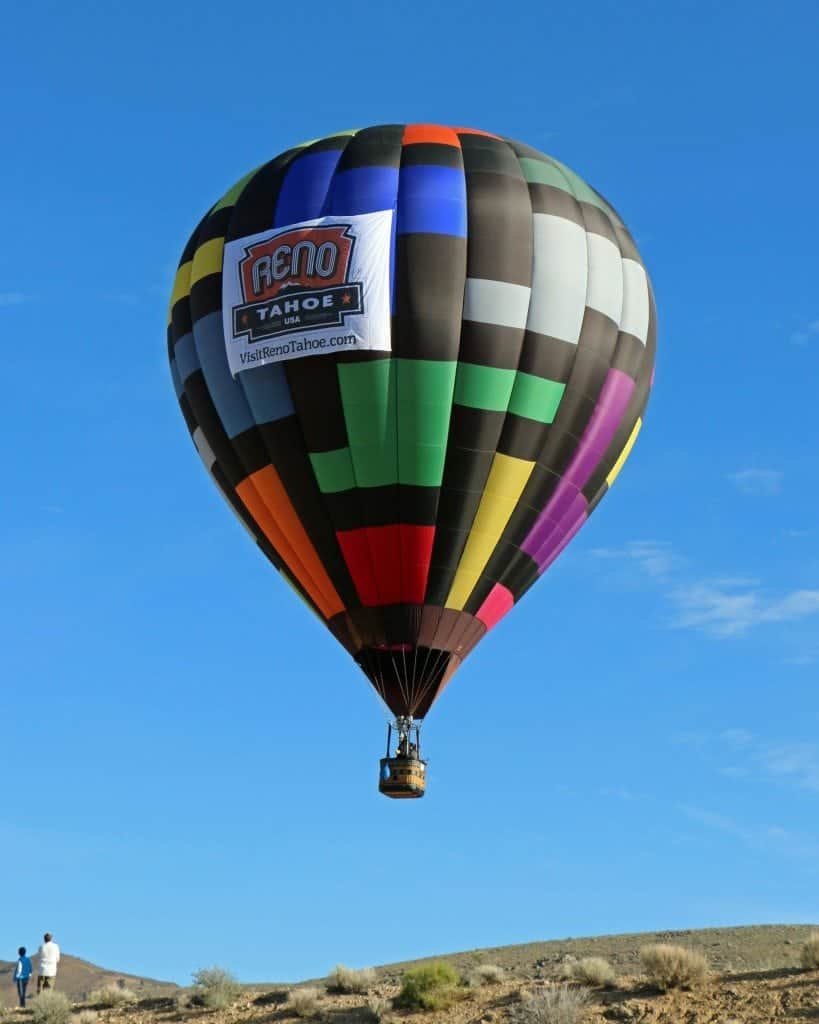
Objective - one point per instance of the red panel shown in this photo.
(416, 554)
(414, 133)
(356, 550)
(388, 564)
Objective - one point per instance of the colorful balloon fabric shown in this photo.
(414, 400)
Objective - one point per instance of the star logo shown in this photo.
(345, 299)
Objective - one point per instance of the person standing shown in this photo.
(22, 972)
(49, 958)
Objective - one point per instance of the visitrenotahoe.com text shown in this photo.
(301, 346)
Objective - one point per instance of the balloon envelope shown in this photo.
(413, 359)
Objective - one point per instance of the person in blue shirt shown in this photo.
(22, 972)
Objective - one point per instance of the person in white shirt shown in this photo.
(49, 955)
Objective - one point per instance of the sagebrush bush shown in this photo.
(112, 995)
(810, 952)
(304, 1001)
(215, 987)
(86, 1017)
(429, 987)
(485, 974)
(559, 1005)
(346, 980)
(592, 970)
(377, 1009)
(182, 1000)
(51, 1007)
(668, 966)
(276, 997)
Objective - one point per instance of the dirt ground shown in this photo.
(755, 979)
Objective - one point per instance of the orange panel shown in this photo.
(414, 133)
(266, 500)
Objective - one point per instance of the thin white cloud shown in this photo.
(768, 837)
(723, 606)
(724, 613)
(653, 557)
(802, 660)
(807, 333)
(764, 482)
(795, 762)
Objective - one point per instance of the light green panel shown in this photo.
(535, 397)
(334, 470)
(397, 414)
(559, 176)
(368, 396)
(483, 387)
(230, 197)
(425, 390)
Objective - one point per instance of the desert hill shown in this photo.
(747, 948)
(79, 977)
(755, 977)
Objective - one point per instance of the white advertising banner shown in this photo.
(307, 289)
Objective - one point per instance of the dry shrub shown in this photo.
(345, 980)
(559, 1005)
(51, 1007)
(429, 987)
(304, 1001)
(377, 1009)
(276, 997)
(215, 987)
(485, 974)
(668, 966)
(112, 995)
(810, 952)
(86, 1017)
(592, 970)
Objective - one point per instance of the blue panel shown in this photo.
(305, 187)
(432, 199)
(187, 361)
(267, 393)
(362, 190)
(227, 393)
(177, 380)
(366, 190)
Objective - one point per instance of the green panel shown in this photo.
(535, 397)
(421, 464)
(332, 135)
(425, 390)
(541, 173)
(334, 470)
(230, 197)
(397, 414)
(368, 397)
(559, 176)
(483, 387)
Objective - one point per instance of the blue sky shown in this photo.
(651, 706)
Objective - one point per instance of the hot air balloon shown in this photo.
(413, 359)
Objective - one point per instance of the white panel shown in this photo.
(605, 291)
(496, 302)
(559, 278)
(634, 319)
(204, 449)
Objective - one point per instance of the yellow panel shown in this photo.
(624, 454)
(181, 286)
(507, 478)
(207, 259)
